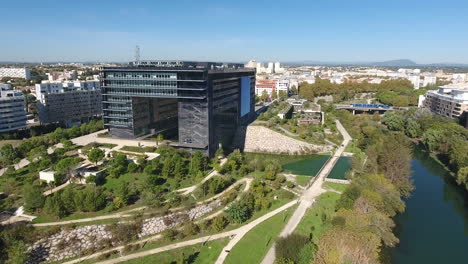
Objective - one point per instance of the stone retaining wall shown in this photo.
(82, 240)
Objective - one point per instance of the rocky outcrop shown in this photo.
(262, 139)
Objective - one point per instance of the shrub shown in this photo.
(191, 229)
(219, 223)
(238, 212)
(290, 247)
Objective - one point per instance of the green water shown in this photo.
(434, 227)
(341, 167)
(308, 166)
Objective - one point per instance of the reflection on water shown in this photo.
(434, 227)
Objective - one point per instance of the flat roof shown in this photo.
(177, 65)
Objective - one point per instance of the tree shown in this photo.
(462, 177)
(282, 95)
(274, 95)
(219, 223)
(33, 198)
(54, 206)
(96, 155)
(290, 247)
(238, 212)
(67, 197)
(293, 89)
(7, 154)
(394, 121)
(17, 253)
(67, 165)
(37, 153)
(264, 96)
(159, 139)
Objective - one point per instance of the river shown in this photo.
(434, 227)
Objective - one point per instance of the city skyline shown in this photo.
(335, 31)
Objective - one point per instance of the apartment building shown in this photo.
(449, 100)
(71, 102)
(12, 109)
(24, 73)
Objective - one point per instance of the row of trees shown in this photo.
(347, 90)
(362, 224)
(440, 135)
(10, 154)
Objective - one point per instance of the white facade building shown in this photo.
(71, 102)
(271, 68)
(429, 80)
(459, 78)
(415, 80)
(282, 85)
(12, 109)
(24, 73)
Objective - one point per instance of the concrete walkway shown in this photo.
(309, 195)
(93, 137)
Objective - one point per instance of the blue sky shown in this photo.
(237, 30)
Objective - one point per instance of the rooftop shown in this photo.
(183, 65)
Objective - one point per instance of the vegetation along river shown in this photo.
(434, 227)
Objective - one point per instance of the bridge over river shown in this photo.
(368, 109)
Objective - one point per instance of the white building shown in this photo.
(48, 87)
(24, 73)
(271, 68)
(70, 102)
(278, 68)
(459, 78)
(429, 80)
(415, 80)
(450, 100)
(251, 64)
(12, 109)
(282, 85)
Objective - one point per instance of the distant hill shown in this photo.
(395, 63)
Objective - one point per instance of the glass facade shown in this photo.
(191, 101)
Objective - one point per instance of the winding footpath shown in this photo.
(238, 234)
(309, 195)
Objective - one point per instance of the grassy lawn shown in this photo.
(196, 254)
(302, 180)
(336, 186)
(14, 142)
(282, 159)
(256, 243)
(317, 218)
(138, 149)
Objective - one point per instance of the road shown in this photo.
(309, 195)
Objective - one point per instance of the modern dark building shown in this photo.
(198, 104)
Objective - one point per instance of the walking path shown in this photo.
(188, 190)
(309, 195)
(125, 214)
(238, 234)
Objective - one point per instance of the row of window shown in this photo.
(124, 75)
(141, 91)
(146, 83)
